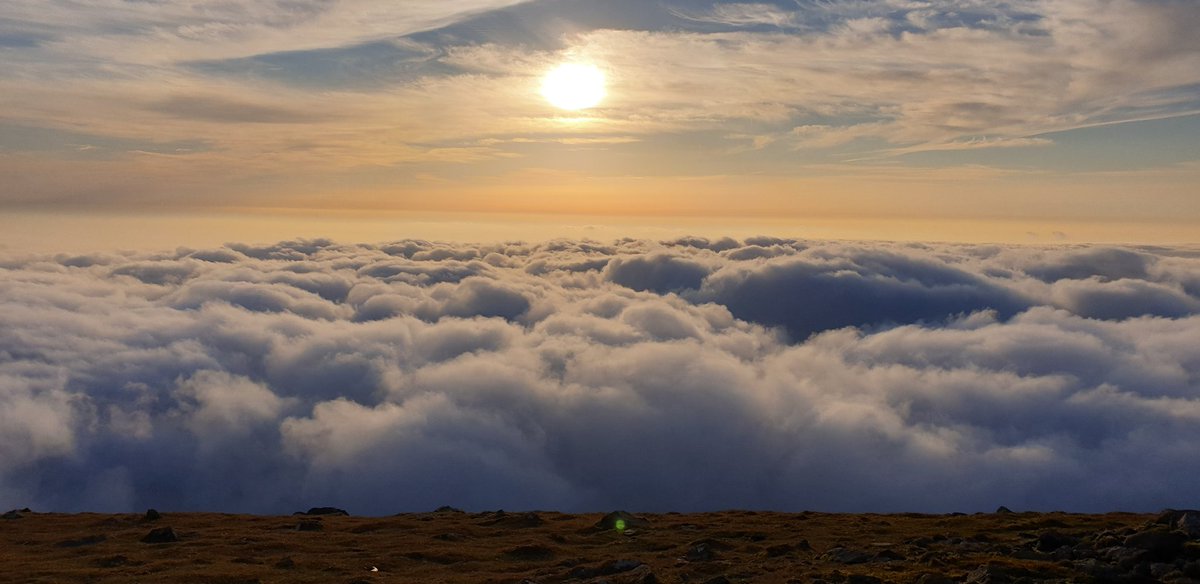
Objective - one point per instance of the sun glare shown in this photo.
(574, 86)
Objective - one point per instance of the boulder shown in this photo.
(160, 535)
(112, 561)
(151, 515)
(529, 553)
(888, 556)
(1189, 523)
(1159, 543)
(309, 525)
(842, 555)
(515, 520)
(82, 541)
(620, 520)
(780, 550)
(1048, 541)
(996, 573)
(700, 552)
(1170, 517)
(606, 569)
(324, 511)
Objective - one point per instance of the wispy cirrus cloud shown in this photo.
(151, 33)
(366, 90)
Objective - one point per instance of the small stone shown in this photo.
(1003, 510)
(285, 563)
(309, 525)
(151, 515)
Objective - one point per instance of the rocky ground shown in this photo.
(324, 545)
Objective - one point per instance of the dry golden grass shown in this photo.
(513, 547)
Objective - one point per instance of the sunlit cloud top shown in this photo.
(1032, 109)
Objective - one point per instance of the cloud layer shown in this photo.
(684, 375)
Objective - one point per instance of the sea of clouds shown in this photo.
(686, 375)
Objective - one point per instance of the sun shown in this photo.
(574, 86)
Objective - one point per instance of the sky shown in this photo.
(1016, 121)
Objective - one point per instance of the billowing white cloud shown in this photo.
(690, 374)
